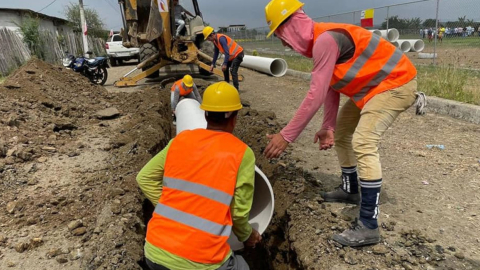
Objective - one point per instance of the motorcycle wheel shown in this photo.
(100, 76)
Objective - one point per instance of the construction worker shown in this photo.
(232, 51)
(380, 82)
(178, 10)
(202, 184)
(183, 88)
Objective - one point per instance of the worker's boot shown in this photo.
(358, 235)
(347, 192)
(365, 231)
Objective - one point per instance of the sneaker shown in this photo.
(339, 195)
(358, 235)
(174, 122)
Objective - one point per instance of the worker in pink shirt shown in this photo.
(380, 82)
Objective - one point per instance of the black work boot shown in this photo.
(339, 195)
(358, 235)
(347, 192)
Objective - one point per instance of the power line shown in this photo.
(47, 5)
(110, 4)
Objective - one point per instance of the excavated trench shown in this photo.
(252, 125)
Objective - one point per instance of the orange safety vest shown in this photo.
(375, 67)
(192, 218)
(233, 48)
(183, 89)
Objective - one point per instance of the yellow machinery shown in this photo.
(148, 25)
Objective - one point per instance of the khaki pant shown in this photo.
(359, 131)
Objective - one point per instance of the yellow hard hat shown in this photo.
(187, 80)
(278, 11)
(207, 31)
(221, 97)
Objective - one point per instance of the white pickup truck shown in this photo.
(117, 52)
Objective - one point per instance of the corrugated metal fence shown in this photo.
(14, 52)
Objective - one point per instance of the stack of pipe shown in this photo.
(406, 45)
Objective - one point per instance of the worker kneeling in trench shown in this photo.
(185, 88)
(202, 184)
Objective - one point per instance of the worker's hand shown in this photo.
(276, 146)
(254, 239)
(325, 138)
(224, 67)
(211, 68)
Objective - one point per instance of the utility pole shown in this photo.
(84, 28)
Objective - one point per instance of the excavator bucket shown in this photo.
(155, 23)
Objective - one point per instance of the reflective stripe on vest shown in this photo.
(233, 48)
(193, 221)
(202, 190)
(182, 88)
(375, 67)
(193, 218)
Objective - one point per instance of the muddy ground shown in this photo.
(69, 199)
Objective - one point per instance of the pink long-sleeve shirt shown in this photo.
(298, 34)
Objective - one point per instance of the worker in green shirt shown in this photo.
(202, 186)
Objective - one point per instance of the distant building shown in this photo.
(12, 18)
(222, 29)
(236, 27)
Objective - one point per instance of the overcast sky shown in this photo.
(251, 12)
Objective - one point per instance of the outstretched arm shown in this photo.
(325, 53)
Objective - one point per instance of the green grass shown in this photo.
(442, 81)
(449, 82)
(2, 79)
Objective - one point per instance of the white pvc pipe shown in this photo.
(376, 32)
(391, 35)
(276, 67)
(417, 45)
(404, 45)
(427, 55)
(190, 116)
(262, 208)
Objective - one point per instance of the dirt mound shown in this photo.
(69, 154)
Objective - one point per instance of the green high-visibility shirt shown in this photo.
(150, 180)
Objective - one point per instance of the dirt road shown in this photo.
(69, 199)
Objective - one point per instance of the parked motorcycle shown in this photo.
(94, 69)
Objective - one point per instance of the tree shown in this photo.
(31, 35)
(94, 23)
(429, 23)
(462, 21)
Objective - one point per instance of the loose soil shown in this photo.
(69, 199)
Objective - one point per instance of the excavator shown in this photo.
(150, 26)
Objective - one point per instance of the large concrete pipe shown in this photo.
(416, 45)
(376, 32)
(190, 116)
(404, 45)
(276, 67)
(391, 34)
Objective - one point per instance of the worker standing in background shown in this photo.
(183, 88)
(202, 184)
(232, 51)
(178, 9)
(381, 83)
